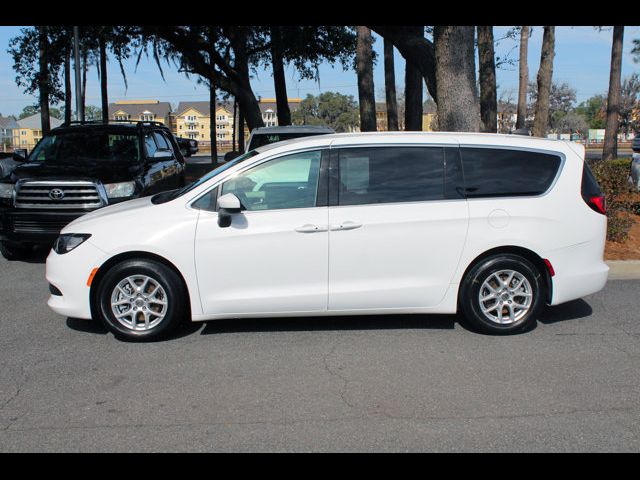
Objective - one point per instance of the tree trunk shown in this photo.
(610, 148)
(249, 107)
(415, 48)
(487, 73)
(234, 125)
(458, 109)
(212, 123)
(83, 92)
(545, 73)
(412, 98)
(390, 87)
(67, 86)
(103, 79)
(279, 80)
(524, 78)
(213, 134)
(43, 79)
(364, 68)
(240, 129)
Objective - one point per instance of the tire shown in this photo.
(147, 317)
(12, 251)
(508, 310)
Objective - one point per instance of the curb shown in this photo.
(624, 269)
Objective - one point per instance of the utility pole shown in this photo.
(76, 59)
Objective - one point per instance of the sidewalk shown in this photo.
(624, 269)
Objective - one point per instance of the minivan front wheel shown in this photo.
(141, 299)
(502, 294)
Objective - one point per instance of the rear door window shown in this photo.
(390, 175)
(497, 172)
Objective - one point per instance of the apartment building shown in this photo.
(7, 126)
(141, 110)
(29, 131)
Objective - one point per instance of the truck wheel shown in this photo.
(13, 251)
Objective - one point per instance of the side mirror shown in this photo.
(228, 204)
(162, 155)
(18, 158)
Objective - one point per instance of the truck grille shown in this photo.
(60, 194)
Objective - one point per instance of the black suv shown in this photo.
(80, 167)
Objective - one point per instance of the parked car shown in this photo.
(188, 146)
(82, 167)
(492, 226)
(267, 135)
(635, 163)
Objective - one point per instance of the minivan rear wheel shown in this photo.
(141, 300)
(502, 294)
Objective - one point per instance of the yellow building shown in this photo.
(381, 118)
(141, 110)
(29, 131)
(193, 120)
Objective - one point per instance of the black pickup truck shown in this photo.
(80, 167)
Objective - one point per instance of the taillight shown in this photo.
(598, 204)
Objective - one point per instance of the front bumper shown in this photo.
(31, 226)
(69, 274)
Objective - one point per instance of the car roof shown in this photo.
(293, 129)
(439, 138)
(99, 125)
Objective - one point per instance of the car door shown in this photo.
(397, 226)
(171, 167)
(273, 258)
(154, 168)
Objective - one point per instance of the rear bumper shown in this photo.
(579, 271)
(28, 226)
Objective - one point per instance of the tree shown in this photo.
(523, 77)
(545, 73)
(413, 91)
(572, 122)
(332, 109)
(610, 147)
(416, 49)
(629, 104)
(507, 109)
(364, 69)
(390, 87)
(457, 99)
(279, 81)
(594, 111)
(487, 74)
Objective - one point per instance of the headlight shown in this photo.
(6, 190)
(119, 190)
(68, 241)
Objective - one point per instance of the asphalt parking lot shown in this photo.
(393, 383)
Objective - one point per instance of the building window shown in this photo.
(220, 136)
(221, 118)
(190, 118)
(147, 117)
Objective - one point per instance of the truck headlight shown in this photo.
(68, 241)
(120, 190)
(6, 190)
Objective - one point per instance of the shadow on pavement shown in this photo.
(569, 311)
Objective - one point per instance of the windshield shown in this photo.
(170, 195)
(87, 147)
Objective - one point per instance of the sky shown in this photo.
(582, 59)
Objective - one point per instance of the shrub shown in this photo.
(613, 178)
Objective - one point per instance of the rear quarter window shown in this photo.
(497, 172)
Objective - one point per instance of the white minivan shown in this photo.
(492, 226)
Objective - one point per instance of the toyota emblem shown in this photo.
(56, 194)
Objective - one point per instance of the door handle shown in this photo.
(349, 225)
(309, 228)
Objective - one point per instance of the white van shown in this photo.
(494, 227)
